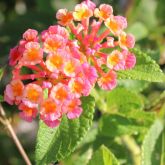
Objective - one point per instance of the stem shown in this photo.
(32, 76)
(130, 143)
(6, 122)
(35, 68)
(95, 29)
(97, 66)
(103, 35)
(163, 149)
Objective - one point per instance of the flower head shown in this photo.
(65, 62)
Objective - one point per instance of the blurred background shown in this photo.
(145, 20)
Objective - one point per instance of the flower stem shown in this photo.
(4, 120)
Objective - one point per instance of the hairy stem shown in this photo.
(4, 120)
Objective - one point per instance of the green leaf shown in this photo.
(127, 103)
(100, 99)
(160, 11)
(145, 69)
(150, 142)
(103, 156)
(56, 144)
(139, 30)
(117, 125)
(133, 85)
(123, 100)
(78, 158)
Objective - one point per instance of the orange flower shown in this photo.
(126, 40)
(33, 95)
(33, 54)
(59, 92)
(116, 24)
(27, 113)
(108, 81)
(104, 11)
(54, 62)
(64, 17)
(82, 12)
(14, 92)
(53, 42)
(115, 60)
(50, 112)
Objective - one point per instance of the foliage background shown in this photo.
(145, 20)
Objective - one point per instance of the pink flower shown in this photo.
(126, 40)
(64, 17)
(72, 108)
(15, 55)
(14, 92)
(90, 73)
(79, 86)
(54, 42)
(60, 93)
(44, 35)
(104, 11)
(50, 112)
(71, 67)
(56, 29)
(82, 11)
(32, 55)
(55, 61)
(46, 84)
(90, 4)
(116, 24)
(108, 81)
(130, 59)
(30, 35)
(115, 60)
(51, 123)
(27, 113)
(33, 95)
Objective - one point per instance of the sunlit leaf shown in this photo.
(103, 156)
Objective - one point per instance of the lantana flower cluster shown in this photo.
(67, 60)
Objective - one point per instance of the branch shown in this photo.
(4, 120)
